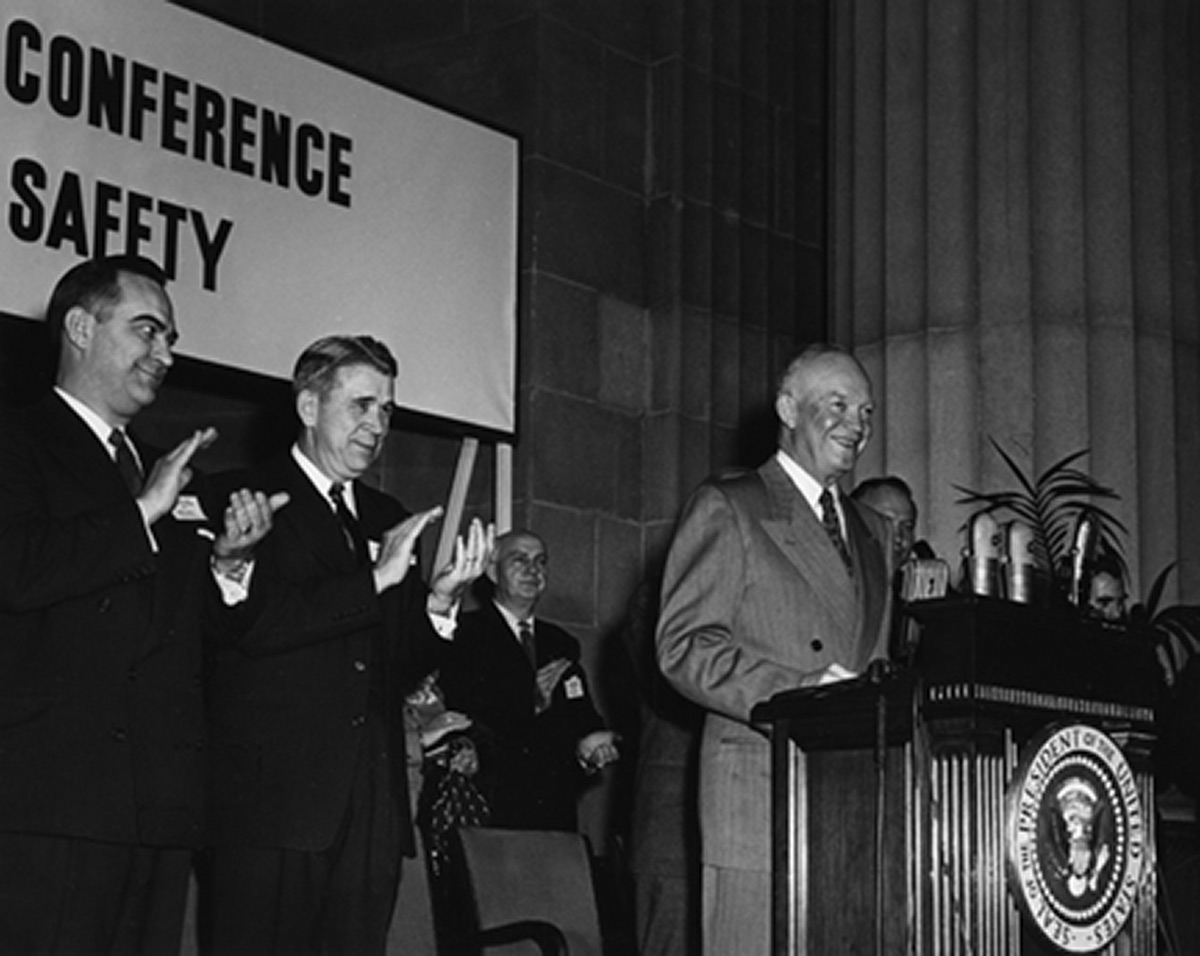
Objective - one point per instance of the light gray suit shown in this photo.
(756, 601)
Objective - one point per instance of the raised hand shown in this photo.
(470, 560)
(397, 548)
(247, 520)
(548, 676)
(171, 473)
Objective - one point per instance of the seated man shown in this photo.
(521, 682)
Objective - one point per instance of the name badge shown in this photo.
(188, 508)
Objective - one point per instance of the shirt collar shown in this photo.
(809, 487)
(98, 425)
(511, 619)
(322, 482)
(805, 483)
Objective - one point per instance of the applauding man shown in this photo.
(310, 809)
(105, 586)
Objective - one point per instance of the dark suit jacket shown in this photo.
(101, 718)
(290, 689)
(528, 766)
(756, 601)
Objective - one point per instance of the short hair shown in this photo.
(869, 486)
(1106, 562)
(514, 533)
(95, 285)
(807, 355)
(317, 366)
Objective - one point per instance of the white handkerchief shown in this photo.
(573, 687)
(373, 550)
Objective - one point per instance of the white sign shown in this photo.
(286, 199)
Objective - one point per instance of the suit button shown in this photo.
(358, 721)
(131, 674)
(360, 666)
(118, 734)
(817, 646)
(105, 604)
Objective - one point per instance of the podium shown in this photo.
(993, 798)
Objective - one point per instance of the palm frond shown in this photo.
(1052, 504)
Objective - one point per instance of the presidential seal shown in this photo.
(1076, 837)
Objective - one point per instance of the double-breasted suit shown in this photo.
(101, 711)
(756, 601)
(313, 679)
(310, 813)
(102, 756)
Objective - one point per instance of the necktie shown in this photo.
(833, 528)
(525, 630)
(126, 464)
(350, 525)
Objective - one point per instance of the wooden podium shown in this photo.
(895, 822)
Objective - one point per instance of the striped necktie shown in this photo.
(833, 528)
(525, 631)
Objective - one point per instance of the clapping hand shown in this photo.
(597, 750)
(398, 546)
(171, 473)
(470, 560)
(548, 676)
(248, 519)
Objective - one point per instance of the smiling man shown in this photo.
(310, 809)
(104, 590)
(521, 681)
(774, 581)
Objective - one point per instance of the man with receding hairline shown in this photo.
(310, 810)
(521, 680)
(105, 587)
(774, 581)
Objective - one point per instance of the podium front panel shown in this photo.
(890, 795)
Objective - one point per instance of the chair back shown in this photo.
(532, 875)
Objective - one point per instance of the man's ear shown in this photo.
(785, 408)
(306, 407)
(78, 326)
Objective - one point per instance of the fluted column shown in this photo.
(737, 212)
(1014, 250)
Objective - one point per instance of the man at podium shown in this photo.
(774, 580)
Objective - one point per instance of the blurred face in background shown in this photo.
(1107, 598)
(519, 571)
(901, 514)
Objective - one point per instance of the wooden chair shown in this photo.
(532, 892)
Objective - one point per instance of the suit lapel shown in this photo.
(872, 571)
(79, 453)
(802, 539)
(313, 519)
